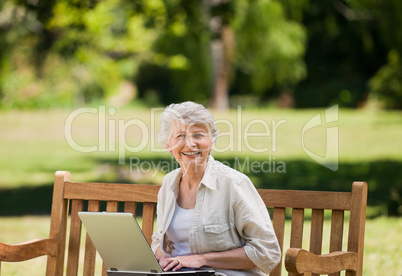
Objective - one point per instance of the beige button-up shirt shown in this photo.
(229, 213)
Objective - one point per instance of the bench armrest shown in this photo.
(27, 250)
(300, 261)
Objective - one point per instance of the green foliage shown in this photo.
(387, 83)
(63, 53)
(22, 88)
(270, 48)
(387, 15)
(344, 51)
(91, 47)
(182, 68)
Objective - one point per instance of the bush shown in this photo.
(387, 83)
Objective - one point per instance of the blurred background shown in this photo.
(272, 60)
(288, 53)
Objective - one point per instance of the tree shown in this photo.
(387, 82)
(108, 41)
(223, 50)
(21, 32)
(343, 51)
(187, 75)
(236, 46)
(270, 47)
(78, 51)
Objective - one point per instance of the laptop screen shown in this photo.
(119, 241)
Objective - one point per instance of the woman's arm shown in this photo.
(159, 255)
(231, 259)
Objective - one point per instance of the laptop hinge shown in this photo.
(113, 269)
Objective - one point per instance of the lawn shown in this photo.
(105, 144)
(90, 142)
(382, 252)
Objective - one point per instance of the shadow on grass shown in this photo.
(384, 180)
(26, 200)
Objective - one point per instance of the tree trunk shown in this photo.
(222, 53)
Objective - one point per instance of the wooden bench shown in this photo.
(69, 197)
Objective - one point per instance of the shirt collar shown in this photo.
(208, 180)
(174, 186)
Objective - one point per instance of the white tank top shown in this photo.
(178, 231)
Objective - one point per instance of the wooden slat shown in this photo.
(111, 192)
(112, 206)
(58, 224)
(130, 207)
(317, 223)
(336, 236)
(148, 217)
(306, 199)
(75, 238)
(296, 231)
(278, 222)
(296, 234)
(90, 251)
(357, 224)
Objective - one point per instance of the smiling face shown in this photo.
(190, 145)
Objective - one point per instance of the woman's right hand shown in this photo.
(166, 262)
(159, 255)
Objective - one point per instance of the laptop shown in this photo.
(123, 248)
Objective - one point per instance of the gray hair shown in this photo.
(189, 113)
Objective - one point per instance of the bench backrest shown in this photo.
(337, 203)
(71, 197)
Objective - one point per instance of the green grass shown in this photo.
(382, 252)
(34, 146)
(34, 143)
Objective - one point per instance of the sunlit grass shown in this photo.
(21, 229)
(35, 143)
(382, 252)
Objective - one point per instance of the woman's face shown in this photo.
(190, 145)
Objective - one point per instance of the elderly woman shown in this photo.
(208, 214)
